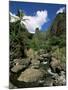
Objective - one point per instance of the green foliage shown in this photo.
(21, 39)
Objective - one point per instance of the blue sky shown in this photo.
(30, 9)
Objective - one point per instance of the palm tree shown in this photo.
(19, 35)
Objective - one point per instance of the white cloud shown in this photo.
(32, 22)
(61, 10)
(13, 17)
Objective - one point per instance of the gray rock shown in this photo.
(48, 81)
(17, 68)
(41, 59)
(35, 64)
(31, 75)
(22, 61)
(60, 80)
(20, 64)
(55, 64)
(45, 55)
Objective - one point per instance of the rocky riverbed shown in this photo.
(41, 70)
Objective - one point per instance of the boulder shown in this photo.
(31, 75)
(24, 61)
(63, 66)
(45, 55)
(30, 53)
(48, 82)
(55, 64)
(20, 64)
(35, 64)
(41, 59)
(60, 79)
(35, 61)
(17, 68)
(16, 60)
